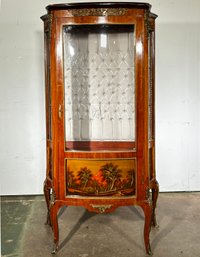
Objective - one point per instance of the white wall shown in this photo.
(178, 94)
(22, 114)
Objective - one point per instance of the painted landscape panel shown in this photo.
(101, 177)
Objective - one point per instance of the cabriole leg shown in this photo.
(47, 198)
(147, 208)
(54, 219)
(155, 191)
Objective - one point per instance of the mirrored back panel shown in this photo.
(99, 83)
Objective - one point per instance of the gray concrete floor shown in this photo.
(84, 234)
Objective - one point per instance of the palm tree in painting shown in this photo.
(111, 173)
(70, 178)
(84, 175)
(131, 177)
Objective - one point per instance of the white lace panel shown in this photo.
(99, 83)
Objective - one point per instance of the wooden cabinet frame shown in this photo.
(142, 150)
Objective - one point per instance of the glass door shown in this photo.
(99, 80)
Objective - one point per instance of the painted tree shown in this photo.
(70, 178)
(131, 177)
(111, 174)
(84, 175)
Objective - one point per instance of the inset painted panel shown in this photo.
(100, 177)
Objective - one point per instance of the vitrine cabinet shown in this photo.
(100, 111)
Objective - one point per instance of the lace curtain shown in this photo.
(99, 83)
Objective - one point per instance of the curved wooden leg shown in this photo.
(147, 208)
(155, 192)
(54, 219)
(47, 198)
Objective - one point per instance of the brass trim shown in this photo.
(60, 111)
(146, 23)
(52, 196)
(98, 12)
(48, 25)
(148, 196)
(101, 208)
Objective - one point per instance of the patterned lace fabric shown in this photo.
(99, 84)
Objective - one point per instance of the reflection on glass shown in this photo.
(99, 82)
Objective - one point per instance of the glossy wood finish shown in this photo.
(142, 150)
(99, 145)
